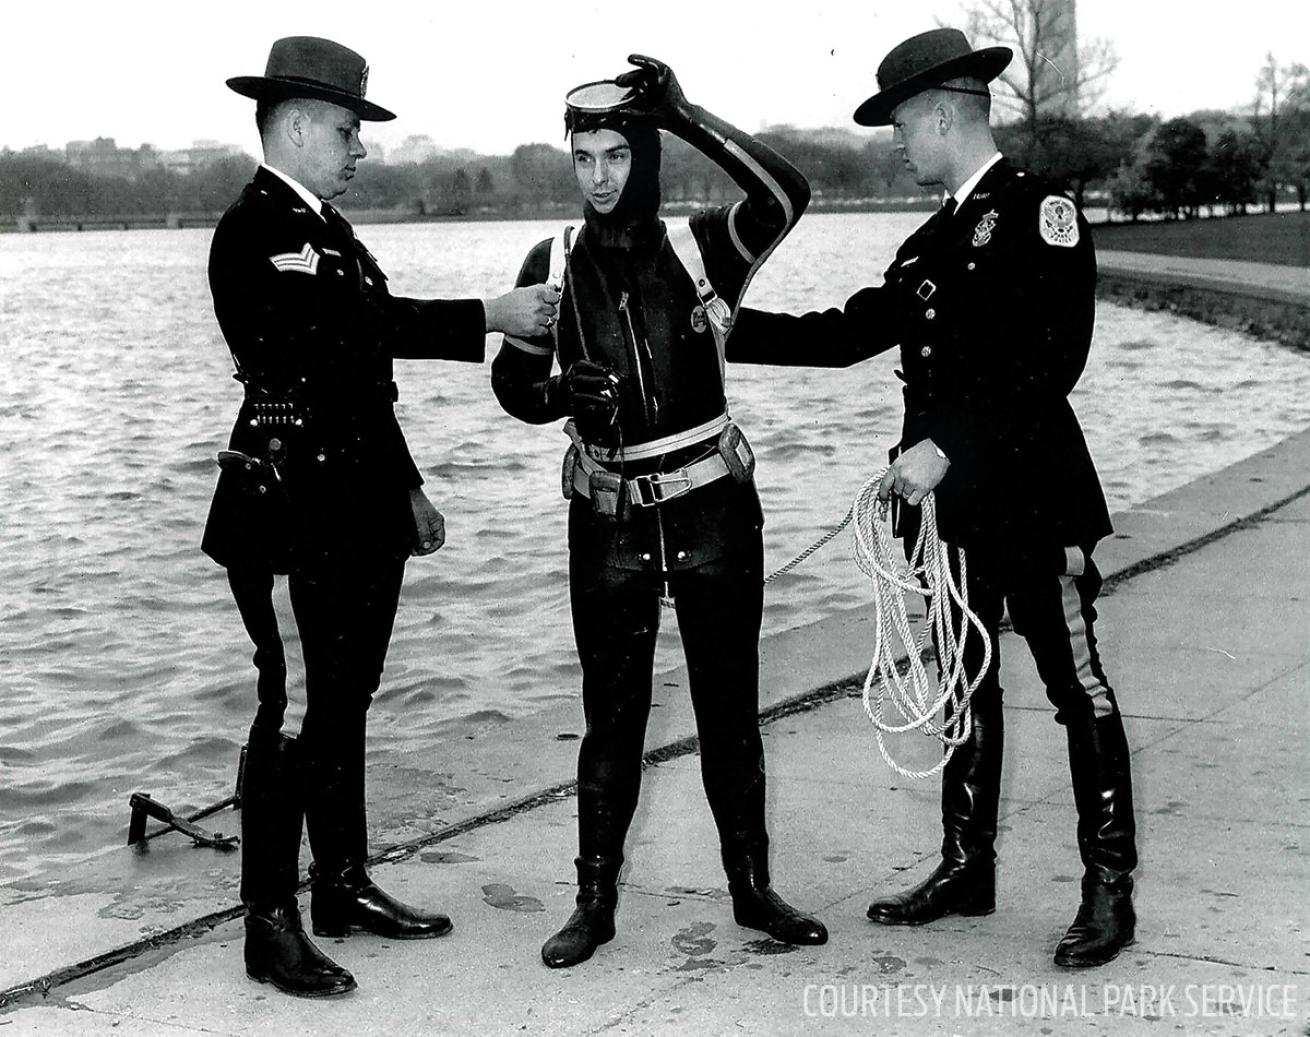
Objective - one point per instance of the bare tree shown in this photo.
(1279, 89)
(1054, 74)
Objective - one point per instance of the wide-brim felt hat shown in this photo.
(309, 66)
(927, 60)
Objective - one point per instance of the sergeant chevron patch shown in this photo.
(303, 262)
(1058, 221)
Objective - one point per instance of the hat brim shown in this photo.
(985, 64)
(262, 88)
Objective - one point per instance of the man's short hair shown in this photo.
(971, 96)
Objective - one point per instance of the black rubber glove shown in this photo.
(656, 90)
(589, 392)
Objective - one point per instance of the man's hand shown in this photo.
(915, 473)
(429, 526)
(524, 312)
(656, 88)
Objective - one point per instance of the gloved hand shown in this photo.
(589, 392)
(656, 90)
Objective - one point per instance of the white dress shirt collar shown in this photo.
(315, 204)
(967, 187)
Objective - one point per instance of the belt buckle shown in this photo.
(651, 488)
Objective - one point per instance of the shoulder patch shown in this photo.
(1058, 221)
(303, 262)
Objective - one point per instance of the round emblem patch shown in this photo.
(1058, 221)
(699, 322)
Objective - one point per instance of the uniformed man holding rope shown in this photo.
(992, 304)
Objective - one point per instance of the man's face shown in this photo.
(330, 148)
(602, 160)
(917, 133)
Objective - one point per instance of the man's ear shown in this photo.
(294, 125)
(945, 117)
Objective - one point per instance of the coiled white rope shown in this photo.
(916, 697)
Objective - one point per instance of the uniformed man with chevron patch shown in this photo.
(318, 483)
(991, 303)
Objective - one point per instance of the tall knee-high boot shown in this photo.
(277, 950)
(964, 882)
(343, 898)
(607, 799)
(1099, 764)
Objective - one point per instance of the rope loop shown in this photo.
(916, 697)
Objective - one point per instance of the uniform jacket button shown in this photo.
(682, 556)
(930, 315)
(926, 351)
(645, 557)
(972, 266)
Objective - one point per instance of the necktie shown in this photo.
(948, 207)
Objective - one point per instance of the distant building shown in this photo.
(102, 157)
(202, 153)
(44, 151)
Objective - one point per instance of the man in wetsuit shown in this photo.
(992, 303)
(660, 479)
(319, 484)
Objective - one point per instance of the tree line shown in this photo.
(1138, 164)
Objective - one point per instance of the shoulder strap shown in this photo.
(559, 258)
(683, 242)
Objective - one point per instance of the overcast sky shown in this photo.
(490, 75)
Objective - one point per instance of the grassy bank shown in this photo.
(1282, 238)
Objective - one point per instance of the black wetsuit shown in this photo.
(629, 303)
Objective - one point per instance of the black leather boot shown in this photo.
(342, 897)
(964, 883)
(1099, 764)
(755, 905)
(346, 901)
(592, 921)
(277, 950)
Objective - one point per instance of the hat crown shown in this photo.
(921, 53)
(312, 59)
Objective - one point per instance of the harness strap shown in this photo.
(717, 311)
(664, 445)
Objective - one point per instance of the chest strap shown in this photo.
(717, 311)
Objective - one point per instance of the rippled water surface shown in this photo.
(122, 662)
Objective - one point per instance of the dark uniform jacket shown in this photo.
(640, 315)
(312, 328)
(992, 308)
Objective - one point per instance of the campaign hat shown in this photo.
(927, 60)
(310, 66)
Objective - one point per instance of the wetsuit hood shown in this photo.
(634, 220)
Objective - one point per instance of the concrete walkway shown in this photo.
(1230, 276)
(1204, 631)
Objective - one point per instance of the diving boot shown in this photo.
(277, 951)
(755, 905)
(592, 921)
(1099, 764)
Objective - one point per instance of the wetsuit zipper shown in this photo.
(652, 408)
